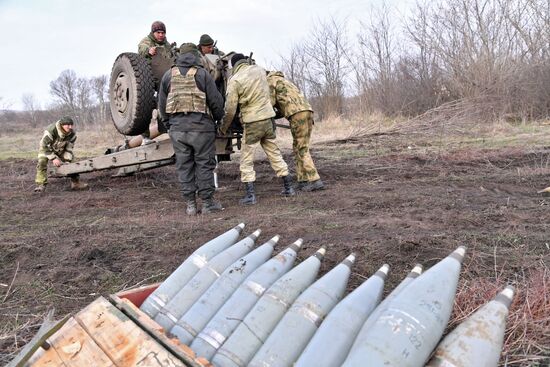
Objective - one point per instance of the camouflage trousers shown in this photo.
(301, 125)
(42, 171)
(259, 135)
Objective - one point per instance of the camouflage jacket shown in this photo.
(164, 48)
(56, 143)
(248, 90)
(285, 96)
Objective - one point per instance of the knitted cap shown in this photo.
(236, 58)
(206, 40)
(66, 120)
(158, 26)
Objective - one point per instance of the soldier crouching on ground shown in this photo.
(291, 104)
(187, 97)
(56, 145)
(248, 90)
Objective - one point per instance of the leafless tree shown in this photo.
(31, 107)
(327, 66)
(65, 90)
(294, 67)
(81, 97)
(375, 74)
(99, 88)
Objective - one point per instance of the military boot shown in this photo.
(250, 196)
(210, 205)
(288, 190)
(313, 186)
(76, 184)
(40, 188)
(191, 207)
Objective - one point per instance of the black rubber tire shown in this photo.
(131, 94)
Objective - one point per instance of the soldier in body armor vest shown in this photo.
(189, 103)
(56, 145)
(248, 89)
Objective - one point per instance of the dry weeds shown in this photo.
(528, 323)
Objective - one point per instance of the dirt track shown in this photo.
(400, 207)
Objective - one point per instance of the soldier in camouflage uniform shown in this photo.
(189, 103)
(155, 44)
(213, 64)
(291, 104)
(248, 89)
(56, 145)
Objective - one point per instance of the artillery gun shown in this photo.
(133, 90)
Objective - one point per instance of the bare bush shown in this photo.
(488, 48)
(445, 51)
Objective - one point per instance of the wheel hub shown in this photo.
(121, 93)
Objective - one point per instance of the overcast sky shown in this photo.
(44, 37)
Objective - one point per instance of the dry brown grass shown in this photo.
(527, 338)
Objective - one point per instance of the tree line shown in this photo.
(85, 99)
(491, 57)
(493, 54)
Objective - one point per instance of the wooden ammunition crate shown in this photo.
(110, 332)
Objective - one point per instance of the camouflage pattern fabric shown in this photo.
(184, 95)
(301, 125)
(213, 65)
(248, 89)
(256, 131)
(285, 96)
(163, 48)
(55, 143)
(267, 142)
(42, 171)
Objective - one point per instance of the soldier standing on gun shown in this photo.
(155, 44)
(56, 145)
(187, 97)
(248, 90)
(290, 103)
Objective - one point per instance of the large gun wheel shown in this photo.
(132, 94)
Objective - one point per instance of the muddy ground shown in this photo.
(398, 205)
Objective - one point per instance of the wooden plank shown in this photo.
(45, 358)
(48, 328)
(173, 345)
(72, 346)
(123, 341)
